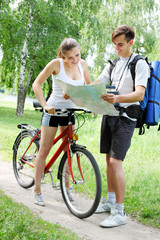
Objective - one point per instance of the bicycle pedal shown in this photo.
(56, 186)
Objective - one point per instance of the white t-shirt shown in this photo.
(56, 99)
(125, 84)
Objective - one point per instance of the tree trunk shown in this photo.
(20, 98)
(21, 89)
(29, 78)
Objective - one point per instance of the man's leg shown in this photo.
(116, 178)
(111, 197)
(116, 183)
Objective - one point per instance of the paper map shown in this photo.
(89, 96)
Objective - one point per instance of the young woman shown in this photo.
(70, 68)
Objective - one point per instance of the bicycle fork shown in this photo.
(69, 156)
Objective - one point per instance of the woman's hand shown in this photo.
(49, 110)
(65, 96)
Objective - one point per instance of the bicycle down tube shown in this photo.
(66, 142)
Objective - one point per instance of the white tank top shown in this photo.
(56, 99)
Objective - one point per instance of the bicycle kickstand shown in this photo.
(54, 185)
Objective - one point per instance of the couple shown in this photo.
(116, 132)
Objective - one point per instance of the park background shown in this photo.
(30, 34)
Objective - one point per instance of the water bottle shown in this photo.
(112, 90)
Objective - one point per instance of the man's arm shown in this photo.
(135, 96)
(104, 76)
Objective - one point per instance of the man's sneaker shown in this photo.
(69, 193)
(38, 199)
(105, 207)
(114, 220)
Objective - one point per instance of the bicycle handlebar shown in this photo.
(70, 110)
(37, 106)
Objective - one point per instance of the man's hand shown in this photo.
(110, 98)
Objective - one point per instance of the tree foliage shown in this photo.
(38, 29)
(140, 14)
(31, 33)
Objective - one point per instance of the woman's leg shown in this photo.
(67, 182)
(47, 137)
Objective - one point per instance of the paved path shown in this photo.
(56, 212)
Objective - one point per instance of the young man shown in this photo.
(116, 132)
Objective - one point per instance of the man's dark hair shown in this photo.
(123, 29)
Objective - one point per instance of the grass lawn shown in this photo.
(141, 166)
(17, 222)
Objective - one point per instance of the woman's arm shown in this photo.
(86, 72)
(51, 68)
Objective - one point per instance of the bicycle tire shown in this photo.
(87, 193)
(23, 172)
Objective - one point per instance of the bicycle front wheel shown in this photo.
(86, 190)
(24, 156)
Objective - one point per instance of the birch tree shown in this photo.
(22, 88)
(30, 35)
(38, 40)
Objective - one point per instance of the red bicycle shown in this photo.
(78, 166)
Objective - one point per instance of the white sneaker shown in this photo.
(38, 199)
(114, 220)
(69, 193)
(105, 207)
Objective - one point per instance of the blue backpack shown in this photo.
(148, 111)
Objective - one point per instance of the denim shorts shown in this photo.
(116, 134)
(50, 120)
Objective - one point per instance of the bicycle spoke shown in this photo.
(86, 190)
(23, 164)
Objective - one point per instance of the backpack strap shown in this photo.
(112, 65)
(155, 77)
(132, 67)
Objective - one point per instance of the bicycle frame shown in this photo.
(76, 163)
(66, 143)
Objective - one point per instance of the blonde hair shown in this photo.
(66, 45)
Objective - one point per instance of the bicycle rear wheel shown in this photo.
(86, 190)
(23, 164)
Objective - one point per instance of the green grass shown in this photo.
(9, 131)
(17, 222)
(141, 166)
